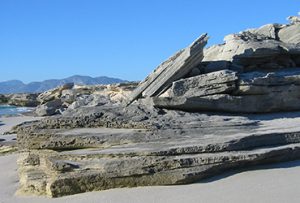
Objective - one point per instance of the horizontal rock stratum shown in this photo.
(200, 113)
(102, 158)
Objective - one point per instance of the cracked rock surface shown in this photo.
(188, 120)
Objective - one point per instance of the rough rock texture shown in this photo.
(270, 47)
(97, 143)
(173, 69)
(54, 93)
(50, 108)
(203, 85)
(60, 99)
(290, 34)
(23, 99)
(252, 92)
(265, 63)
(203, 146)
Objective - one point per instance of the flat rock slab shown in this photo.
(228, 91)
(163, 157)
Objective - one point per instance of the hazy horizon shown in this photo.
(55, 39)
(1, 81)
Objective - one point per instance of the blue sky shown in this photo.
(43, 39)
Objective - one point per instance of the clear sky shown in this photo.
(43, 39)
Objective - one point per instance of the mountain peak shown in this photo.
(17, 86)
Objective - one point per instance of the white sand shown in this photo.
(9, 122)
(275, 183)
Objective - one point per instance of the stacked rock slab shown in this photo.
(266, 65)
(252, 92)
(107, 146)
(201, 146)
(173, 69)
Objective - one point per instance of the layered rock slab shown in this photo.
(173, 69)
(253, 92)
(161, 157)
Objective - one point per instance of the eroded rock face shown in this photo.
(203, 146)
(270, 47)
(203, 85)
(50, 108)
(290, 34)
(165, 138)
(253, 92)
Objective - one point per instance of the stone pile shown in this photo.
(68, 96)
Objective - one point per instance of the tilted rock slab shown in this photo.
(173, 69)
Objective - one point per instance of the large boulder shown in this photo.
(50, 108)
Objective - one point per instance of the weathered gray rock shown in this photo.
(262, 83)
(68, 96)
(287, 100)
(267, 31)
(290, 34)
(23, 99)
(96, 143)
(50, 108)
(126, 158)
(54, 93)
(206, 84)
(173, 69)
(271, 47)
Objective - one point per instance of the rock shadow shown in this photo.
(281, 165)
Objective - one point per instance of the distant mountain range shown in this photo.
(17, 86)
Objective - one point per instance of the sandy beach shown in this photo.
(271, 183)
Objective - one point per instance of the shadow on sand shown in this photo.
(258, 116)
(289, 164)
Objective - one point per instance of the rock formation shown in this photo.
(22, 99)
(164, 137)
(173, 69)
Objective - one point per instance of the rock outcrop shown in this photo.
(22, 99)
(164, 137)
(70, 97)
(252, 92)
(68, 161)
(265, 63)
